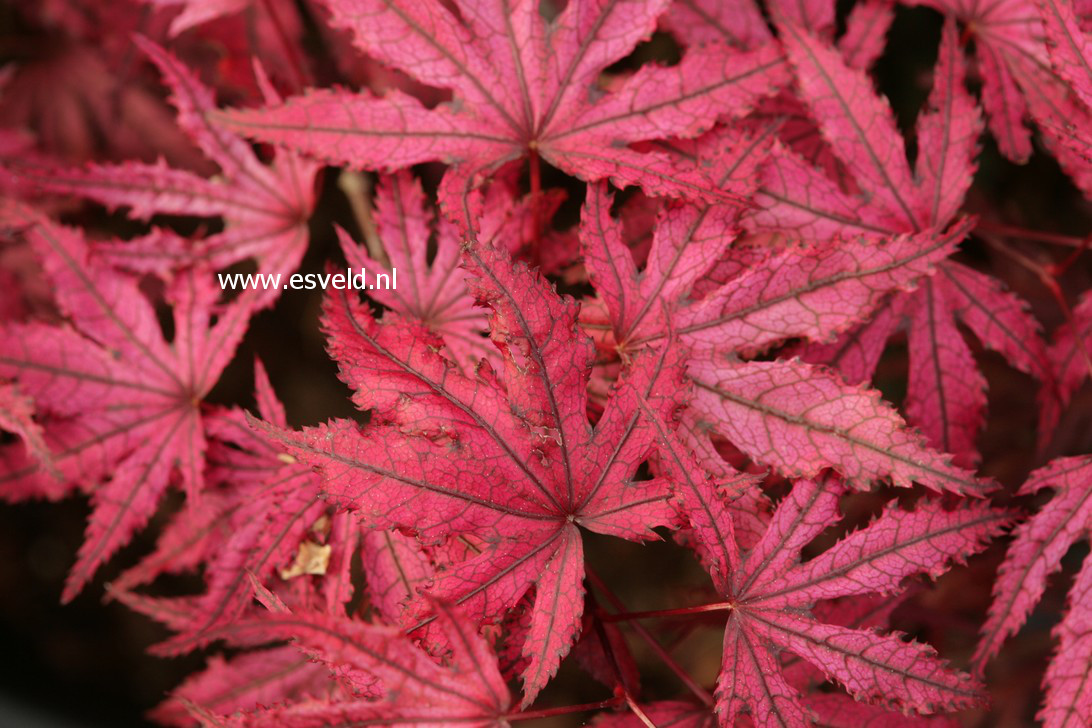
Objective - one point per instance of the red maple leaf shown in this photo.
(946, 395)
(770, 594)
(521, 87)
(780, 413)
(513, 461)
(264, 207)
(120, 405)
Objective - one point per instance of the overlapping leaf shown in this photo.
(264, 207)
(467, 690)
(1034, 555)
(946, 397)
(123, 404)
(803, 419)
(769, 594)
(516, 464)
(431, 289)
(521, 87)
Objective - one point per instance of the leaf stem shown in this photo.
(678, 612)
(636, 710)
(1012, 231)
(562, 710)
(654, 644)
(536, 203)
(290, 50)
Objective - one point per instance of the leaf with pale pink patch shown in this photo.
(770, 595)
(123, 404)
(521, 88)
(802, 419)
(519, 466)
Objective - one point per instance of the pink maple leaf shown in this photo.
(120, 405)
(521, 87)
(264, 207)
(1036, 553)
(517, 463)
(785, 414)
(946, 396)
(272, 508)
(770, 594)
(1030, 58)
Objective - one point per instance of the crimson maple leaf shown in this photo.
(515, 463)
(267, 513)
(1071, 361)
(521, 87)
(466, 690)
(946, 393)
(1018, 80)
(749, 299)
(1034, 555)
(431, 289)
(120, 405)
(264, 207)
(770, 592)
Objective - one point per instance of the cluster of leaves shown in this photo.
(753, 232)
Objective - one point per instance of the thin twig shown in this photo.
(654, 644)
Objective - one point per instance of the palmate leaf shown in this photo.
(466, 690)
(803, 419)
(431, 288)
(945, 398)
(1030, 60)
(270, 512)
(798, 419)
(264, 207)
(517, 464)
(521, 86)
(1036, 553)
(769, 594)
(1007, 41)
(121, 406)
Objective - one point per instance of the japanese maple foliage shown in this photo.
(675, 287)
